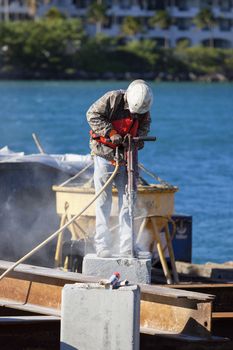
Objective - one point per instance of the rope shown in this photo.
(77, 175)
(52, 236)
(154, 176)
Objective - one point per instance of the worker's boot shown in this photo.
(142, 254)
(105, 253)
(126, 254)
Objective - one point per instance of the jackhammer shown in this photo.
(130, 150)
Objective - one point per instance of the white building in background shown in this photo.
(14, 10)
(181, 11)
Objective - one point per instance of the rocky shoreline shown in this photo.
(83, 75)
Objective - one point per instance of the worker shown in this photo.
(111, 117)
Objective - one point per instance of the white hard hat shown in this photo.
(139, 97)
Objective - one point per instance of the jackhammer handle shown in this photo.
(144, 138)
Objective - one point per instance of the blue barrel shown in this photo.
(182, 242)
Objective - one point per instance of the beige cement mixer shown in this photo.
(155, 206)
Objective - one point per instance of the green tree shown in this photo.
(206, 19)
(42, 46)
(145, 49)
(228, 64)
(131, 26)
(163, 20)
(96, 14)
(54, 13)
(97, 54)
(206, 60)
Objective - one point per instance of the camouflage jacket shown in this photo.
(110, 107)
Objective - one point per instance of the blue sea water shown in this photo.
(193, 123)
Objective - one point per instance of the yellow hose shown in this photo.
(52, 236)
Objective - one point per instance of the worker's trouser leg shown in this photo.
(123, 205)
(102, 172)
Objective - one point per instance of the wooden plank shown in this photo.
(175, 292)
(222, 315)
(214, 271)
(223, 292)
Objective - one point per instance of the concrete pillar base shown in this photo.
(94, 318)
(133, 269)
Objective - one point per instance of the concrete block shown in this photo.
(134, 270)
(95, 318)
